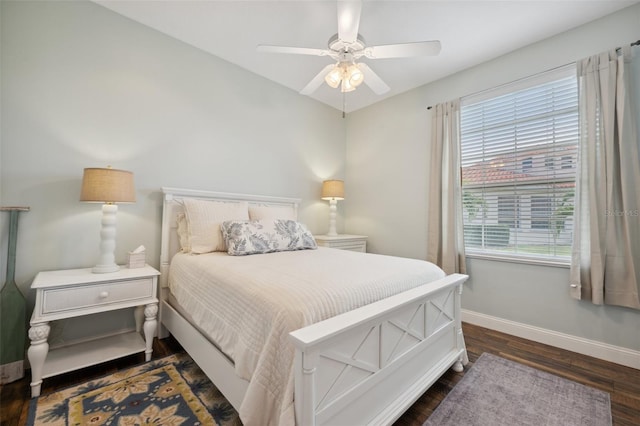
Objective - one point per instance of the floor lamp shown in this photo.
(332, 190)
(108, 186)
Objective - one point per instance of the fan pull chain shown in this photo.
(344, 103)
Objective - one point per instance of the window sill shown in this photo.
(520, 259)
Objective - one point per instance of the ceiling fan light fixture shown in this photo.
(345, 75)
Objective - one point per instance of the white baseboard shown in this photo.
(11, 371)
(617, 354)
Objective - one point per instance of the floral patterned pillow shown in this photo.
(245, 237)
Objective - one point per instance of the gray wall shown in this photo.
(387, 171)
(85, 87)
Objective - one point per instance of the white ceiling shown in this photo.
(471, 32)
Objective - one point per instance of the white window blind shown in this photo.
(518, 154)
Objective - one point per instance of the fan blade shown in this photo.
(403, 50)
(317, 81)
(348, 20)
(372, 80)
(293, 50)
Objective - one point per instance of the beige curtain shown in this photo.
(445, 244)
(605, 264)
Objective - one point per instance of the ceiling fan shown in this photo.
(346, 48)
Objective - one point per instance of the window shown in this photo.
(518, 204)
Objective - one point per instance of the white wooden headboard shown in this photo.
(173, 205)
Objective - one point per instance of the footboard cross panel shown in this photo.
(355, 363)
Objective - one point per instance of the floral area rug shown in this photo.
(171, 391)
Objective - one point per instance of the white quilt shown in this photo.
(249, 304)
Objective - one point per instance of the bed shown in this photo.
(362, 357)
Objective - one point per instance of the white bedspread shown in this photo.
(249, 304)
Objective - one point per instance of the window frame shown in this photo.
(553, 163)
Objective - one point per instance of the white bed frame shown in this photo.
(366, 366)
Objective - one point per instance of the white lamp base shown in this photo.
(106, 262)
(333, 208)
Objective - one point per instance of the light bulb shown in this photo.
(334, 77)
(356, 77)
(346, 86)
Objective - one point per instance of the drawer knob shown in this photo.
(104, 295)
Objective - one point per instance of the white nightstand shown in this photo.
(343, 242)
(77, 292)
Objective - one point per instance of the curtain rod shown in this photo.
(635, 43)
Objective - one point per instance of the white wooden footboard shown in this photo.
(369, 365)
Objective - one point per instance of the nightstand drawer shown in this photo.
(349, 245)
(85, 296)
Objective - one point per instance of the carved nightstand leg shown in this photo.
(37, 354)
(150, 324)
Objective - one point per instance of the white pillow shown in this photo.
(204, 219)
(266, 236)
(263, 212)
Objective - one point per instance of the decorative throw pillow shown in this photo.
(204, 219)
(254, 237)
(264, 212)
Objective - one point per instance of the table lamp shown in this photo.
(332, 190)
(108, 186)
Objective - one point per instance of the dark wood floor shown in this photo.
(622, 383)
